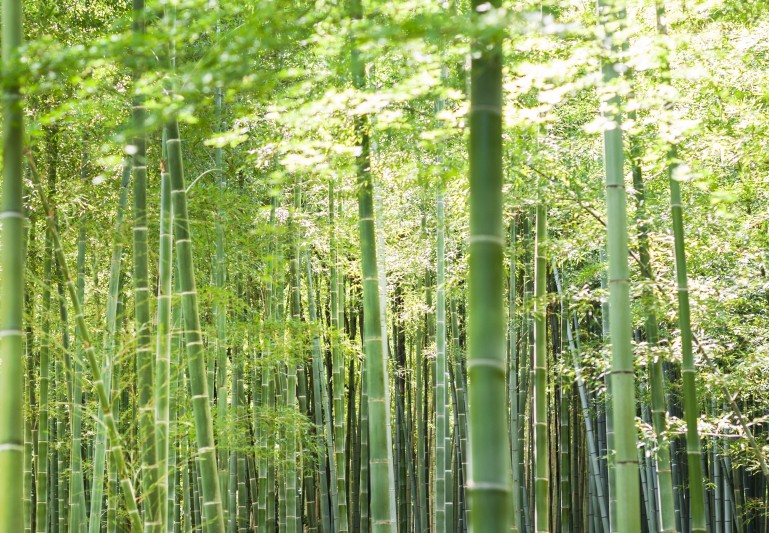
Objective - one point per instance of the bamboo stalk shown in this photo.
(12, 289)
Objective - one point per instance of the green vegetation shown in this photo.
(396, 266)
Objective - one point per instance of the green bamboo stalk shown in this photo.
(441, 408)
(144, 356)
(364, 460)
(380, 441)
(421, 416)
(204, 433)
(338, 371)
(113, 483)
(241, 474)
(174, 503)
(62, 387)
(265, 489)
(116, 448)
(163, 346)
(688, 371)
(622, 372)
(609, 485)
(461, 414)
(76, 511)
(42, 477)
(541, 437)
(656, 377)
(354, 435)
(100, 444)
(292, 520)
(524, 374)
(12, 288)
(220, 274)
(379, 232)
(512, 373)
(488, 479)
(29, 392)
(564, 440)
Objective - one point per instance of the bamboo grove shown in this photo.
(384, 266)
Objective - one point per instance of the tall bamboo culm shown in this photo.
(541, 437)
(380, 445)
(163, 345)
(144, 358)
(688, 372)
(12, 284)
(338, 370)
(204, 430)
(622, 371)
(441, 408)
(489, 466)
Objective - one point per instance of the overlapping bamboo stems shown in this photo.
(338, 370)
(488, 480)
(622, 372)
(329, 505)
(380, 442)
(110, 331)
(591, 438)
(12, 303)
(116, 448)
(212, 502)
(656, 377)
